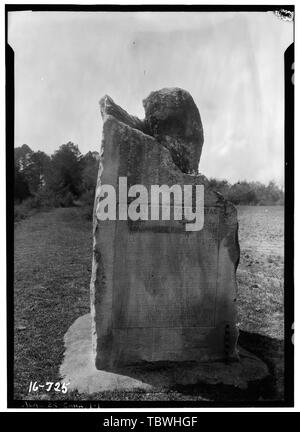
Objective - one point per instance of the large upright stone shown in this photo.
(160, 293)
(172, 117)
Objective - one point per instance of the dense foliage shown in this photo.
(68, 178)
(249, 193)
(63, 179)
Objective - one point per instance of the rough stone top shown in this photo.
(172, 117)
(109, 107)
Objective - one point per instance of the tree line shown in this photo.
(67, 177)
(59, 179)
(249, 193)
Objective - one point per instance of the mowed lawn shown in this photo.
(53, 256)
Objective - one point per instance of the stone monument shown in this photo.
(160, 292)
(163, 289)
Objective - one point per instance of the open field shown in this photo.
(51, 290)
(260, 278)
(260, 273)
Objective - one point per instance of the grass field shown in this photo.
(51, 290)
(260, 273)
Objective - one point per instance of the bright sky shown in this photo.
(231, 63)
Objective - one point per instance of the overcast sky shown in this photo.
(231, 63)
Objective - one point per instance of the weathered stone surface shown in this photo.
(79, 370)
(172, 117)
(174, 120)
(158, 292)
(108, 107)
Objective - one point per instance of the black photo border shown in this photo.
(288, 212)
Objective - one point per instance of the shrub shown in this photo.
(87, 203)
(66, 200)
(20, 212)
(43, 199)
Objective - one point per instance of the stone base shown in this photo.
(79, 370)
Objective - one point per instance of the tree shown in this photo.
(22, 156)
(37, 171)
(221, 186)
(90, 166)
(21, 188)
(66, 171)
(274, 194)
